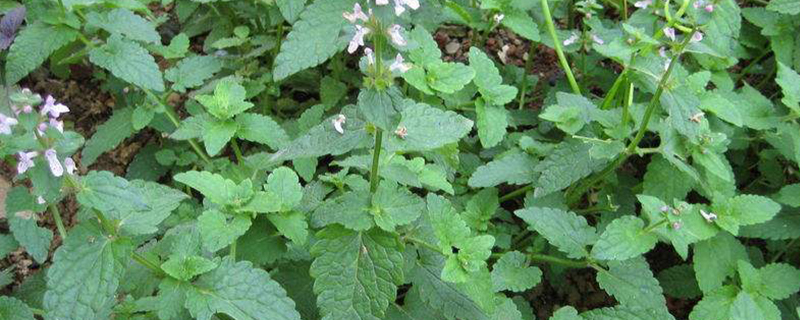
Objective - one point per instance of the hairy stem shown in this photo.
(237, 151)
(376, 158)
(173, 117)
(562, 59)
(57, 218)
(528, 61)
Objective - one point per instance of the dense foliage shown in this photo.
(324, 159)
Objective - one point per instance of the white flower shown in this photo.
(338, 122)
(709, 8)
(52, 160)
(597, 39)
(662, 52)
(25, 161)
(394, 33)
(69, 165)
(59, 125)
(698, 3)
(666, 64)
(670, 33)
(571, 39)
(399, 65)
(643, 4)
(6, 123)
(357, 14)
(498, 18)
(697, 36)
(358, 38)
(370, 56)
(381, 2)
(503, 54)
(40, 200)
(399, 6)
(401, 132)
(709, 216)
(53, 108)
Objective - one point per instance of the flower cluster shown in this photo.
(697, 36)
(394, 32)
(50, 113)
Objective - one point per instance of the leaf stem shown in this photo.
(173, 117)
(237, 151)
(516, 193)
(655, 225)
(376, 156)
(528, 61)
(147, 263)
(232, 250)
(545, 258)
(551, 28)
(423, 244)
(57, 218)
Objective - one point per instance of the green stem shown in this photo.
(376, 158)
(613, 91)
(105, 223)
(237, 151)
(524, 90)
(751, 64)
(147, 263)
(536, 257)
(551, 28)
(423, 243)
(232, 250)
(173, 117)
(59, 224)
(516, 193)
(786, 248)
(656, 225)
(37, 311)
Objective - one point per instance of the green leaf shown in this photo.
(284, 183)
(291, 9)
(350, 210)
(788, 79)
(187, 267)
(177, 48)
(787, 195)
(219, 230)
(7, 244)
(14, 309)
(108, 135)
(665, 181)
(785, 225)
(262, 129)
(292, 225)
(780, 280)
(624, 238)
(450, 299)
(715, 305)
(491, 122)
(227, 101)
(470, 261)
(104, 191)
(423, 49)
(522, 24)
(379, 106)
(124, 22)
(715, 259)
(679, 281)
(33, 45)
(86, 270)
(159, 200)
(169, 303)
(567, 164)
(516, 168)
(428, 128)
(128, 61)
(512, 272)
(331, 90)
(240, 291)
(567, 231)
(632, 284)
(323, 139)
(22, 223)
(745, 308)
(216, 188)
(314, 38)
(791, 7)
(447, 225)
(393, 206)
(692, 227)
(192, 72)
(448, 77)
(489, 83)
(480, 208)
(299, 285)
(356, 273)
(566, 313)
(744, 210)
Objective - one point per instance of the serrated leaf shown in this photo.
(744, 307)
(22, 224)
(159, 200)
(428, 128)
(13, 309)
(568, 163)
(356, 273)
(33, 45)
(632, 284)
(171, 298)
(128, 61)
(785, 225)
(323, 139)
(715, 305)
(314, 38)
(108, 135)
(192, 72)
(788, 79)
(216, 188)
(489, 83)
(447, 225)
(219, 230)
(491, 122)
(566, 313)
(744, 210)
(393, 206)
(791, 7)
(448, 77)
(470, 262)
(480, 208)
(285, 184)
(380, 106)
(451, 299)
(623, 312)
(290, 9)
(665, 181)
(240, 291)
(262, 129)
(217, 134)
(679, 281)
(227, 101)
(177, 48)
(691, 226)
(425, 50)
(299, 285)
(185, 268)
(86, 270)
(567, 231)
(516, 168)
(624, 238)
(350, 210)
(522, 24)
(125, 22)
(512, 272)
(7, 244)
(104, 191)
(715, 259)
(780, 280)
(292, 225)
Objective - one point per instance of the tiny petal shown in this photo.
(52, 160)
(370, 56)
(670, 33)
(662, 52)
(358, 38)
(709, 8)
(413, 4)
(69, 166)
(59, 125)
(709, 216)
(54, 109)
(498, 18)
(41, 128)
(40, 200)
(401, 132)
(597, 40)
(338, 122)
(399, 65)
(571, 39)
(397, 38)
(356, 14)
(697, 36)
(381, 2)
(664, 209)
(25, 161)
(676, 225)
(398, 7)
(6, 123)
(643, 4)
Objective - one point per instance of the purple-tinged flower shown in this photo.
(338, 122)
(356, 14)
(54, 109)
(381, 2)
(370, 56)
(709, 8)
(69, 166)
(662, 52)
(25, 161)
(399, 65)
(401, 132)
(597, 39)
(572, 39)
(698, 3)
(643, 4)
(52, 160)
(397, 37)
(709, 216)
(358, 38)
(399, 6)
(40, 200)
(697, 36)
(670, 33)
(664, 209)
(676, 225)
(6, 123)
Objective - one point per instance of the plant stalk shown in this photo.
(562, 59)
(173, 117)
(57, 218)
(376, 158)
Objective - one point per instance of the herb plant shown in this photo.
(325, 159)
